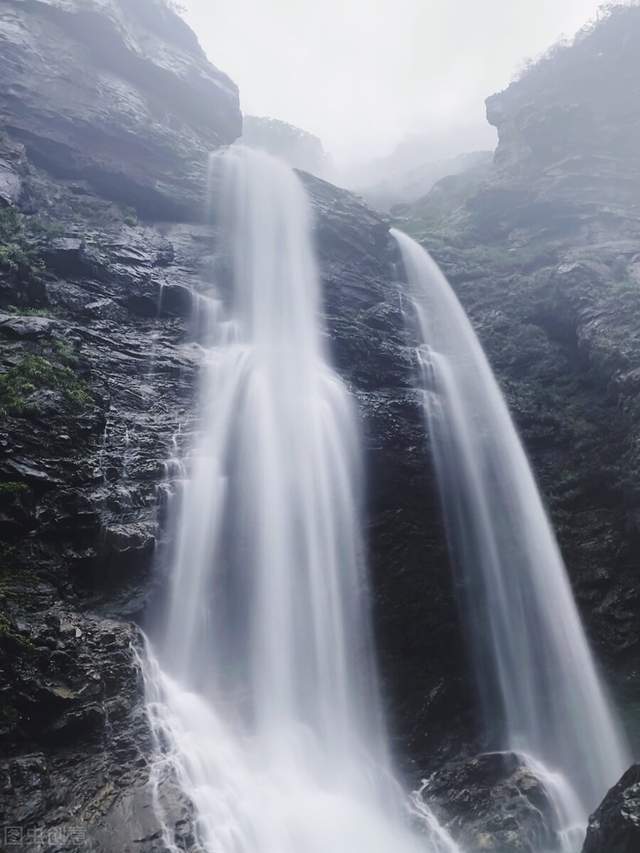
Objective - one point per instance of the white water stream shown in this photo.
(260, 679)
(540, 690)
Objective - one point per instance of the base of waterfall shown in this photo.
(538, 685)
(507, 802)
(217, 789)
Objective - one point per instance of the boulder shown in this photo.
(29, 326)
(493, 802)
(615, 825)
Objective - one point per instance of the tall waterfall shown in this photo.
(538, 683)
(261, 682)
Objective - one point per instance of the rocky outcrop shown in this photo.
(117, 93)
(493, 802)
(69, 680)
(615, 826)
(297, 147)
(563, 112)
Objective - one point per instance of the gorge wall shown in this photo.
(108, 110)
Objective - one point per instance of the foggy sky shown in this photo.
(363, 74)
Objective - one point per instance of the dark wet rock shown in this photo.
(493, 802)
(175, 299)
(144, 110)
(66, 256)
(131, 821)
(29, 326)
(125, 548)
(615, 825)
(65, 675)
(76, 712)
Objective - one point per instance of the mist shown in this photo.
(367, 74)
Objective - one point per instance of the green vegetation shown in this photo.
(13, 488)
(30, 312)
(8, 560)
(129, 216)
(44, 230)
(65, 352)
(9, 632)
(22, 239)
(8, 716)
(15, 575)
(35, 372)
(18, 252)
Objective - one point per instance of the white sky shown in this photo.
(363, 74)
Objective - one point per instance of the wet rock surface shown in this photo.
(615, 825)
(72, 721)
(493, 802)
(115, 92)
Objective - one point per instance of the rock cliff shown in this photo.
(117, 93)
(108, 111)
(615, 826)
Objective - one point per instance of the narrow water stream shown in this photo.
(537, 679)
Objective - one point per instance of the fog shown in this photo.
(364, 75)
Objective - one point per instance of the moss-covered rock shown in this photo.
(35, 372)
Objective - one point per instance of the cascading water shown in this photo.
(261, 684)
(535, 671)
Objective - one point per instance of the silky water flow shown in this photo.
(539, 688)
(260, 677)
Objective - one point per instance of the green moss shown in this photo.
(18, 253)
(13, 488)
(129, 216)
(44, 230)
(9, 556)
(29, 312)
(35, 372)
(22, 239)
(17, 579)
(8, 632)
(8, 715)
(65, 352)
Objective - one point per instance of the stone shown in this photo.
(144, 112)
(30, 326)
(493, 802)
(615, 825)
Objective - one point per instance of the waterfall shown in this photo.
(536, 675)
(260, 678)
